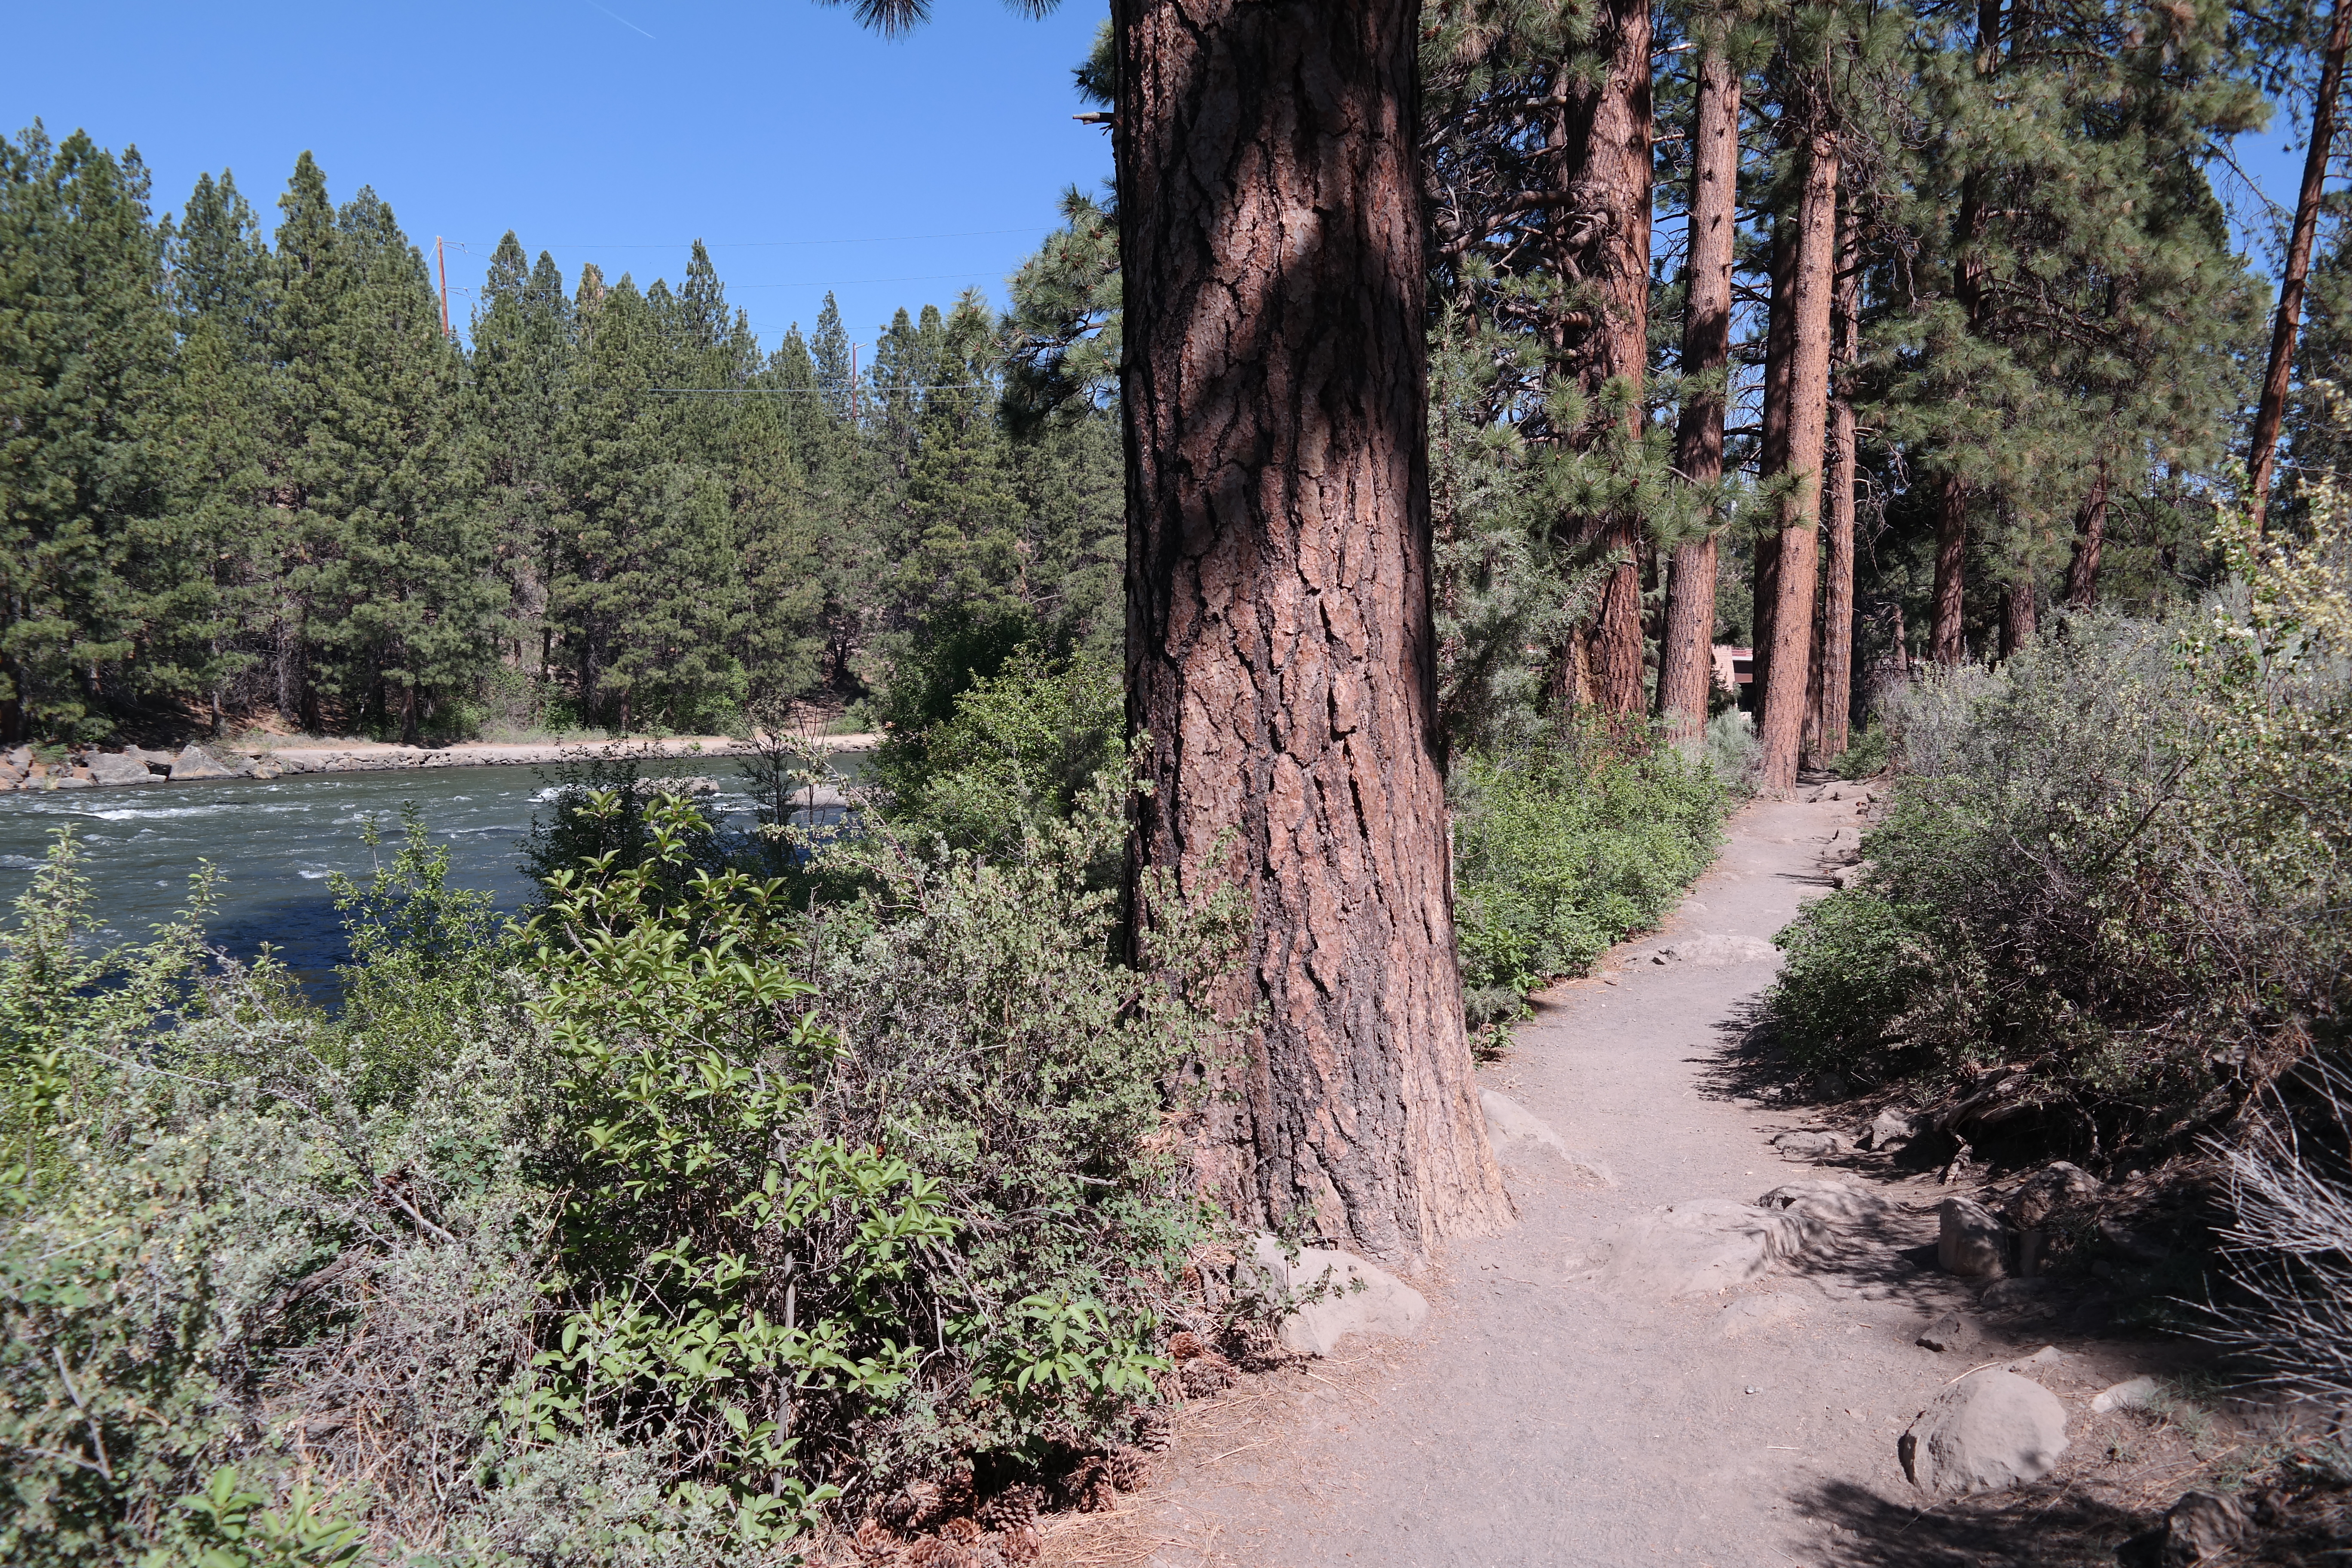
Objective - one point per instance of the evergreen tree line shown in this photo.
(247, 470)
(1948, 328)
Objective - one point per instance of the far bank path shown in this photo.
(1547, 1415)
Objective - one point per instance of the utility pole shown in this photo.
(441, 260)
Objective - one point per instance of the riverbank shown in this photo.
(23, 769)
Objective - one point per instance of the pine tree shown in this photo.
(520, 367)
(416, 608)
(222, 293)
(95, 576)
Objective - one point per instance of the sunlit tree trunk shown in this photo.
(1772, 450)
(1686, 657)
(1280, 652)
(2272, 409)
(1613, 184)
(1815, 273)
(1833, 663)
(2090, 540)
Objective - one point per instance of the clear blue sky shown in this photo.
(810, 153)
(806, 150)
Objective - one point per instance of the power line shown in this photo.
(772, 244)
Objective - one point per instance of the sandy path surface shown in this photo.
(1549, 1414)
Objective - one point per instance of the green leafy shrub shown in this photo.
(644, 1237)
(1565, 846)
(1017, 747)
(2111, 867)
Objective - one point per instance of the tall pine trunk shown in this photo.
(1281, 659)
(1613, 184)
(2019, 615)
(1947, 635)
(1772, 450)
(2090, 540)
(1947, 641)
(2272, 410)
(1686, 648)
(1832, 697)
(1815, 278)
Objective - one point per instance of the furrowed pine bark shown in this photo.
(1832, 695)
(1772, 451)
(1783, 725)
(2271, 411)
(1685, 649)
(1613, 184)
(2090, 539)
(1281, 658)
(2020, 616)
(1945, 635)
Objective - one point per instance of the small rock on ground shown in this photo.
(1986, 1432)
(1968, 1238)
(1349, 1295)
(1715, 952)
(1518, 1134)
(2133, 1394)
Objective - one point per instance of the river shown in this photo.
(276, 843)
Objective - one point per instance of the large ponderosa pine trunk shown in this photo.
(1607, 126)
(1685, 651)
(2272, 409)
(1832, 694)
(2090, 542)
(1772, 452)
(1815, 275)
(1280, 651)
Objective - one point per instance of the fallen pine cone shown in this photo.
(1015, 1508)
(876, 1543)
(1127, 1470)
(1185, 1344)
(1020, 1545)
(1206, 1373)
(1155, 1431)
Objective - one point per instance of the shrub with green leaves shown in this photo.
(2111, 866)
(1565, 846)
(643, 1236)
(1017, 747)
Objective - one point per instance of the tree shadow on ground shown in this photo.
(2050, 1524)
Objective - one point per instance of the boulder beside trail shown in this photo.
(1989, 1430)
(1969, 1240)
(1706, 1246)
(1348, 1296)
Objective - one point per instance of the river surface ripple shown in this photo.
(277, 841)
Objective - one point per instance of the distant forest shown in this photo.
(1948, 300)
(246, 471)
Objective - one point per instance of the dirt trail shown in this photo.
(1548, 1414)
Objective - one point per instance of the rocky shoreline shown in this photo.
(22, 769)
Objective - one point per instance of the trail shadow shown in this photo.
(2050, 1524)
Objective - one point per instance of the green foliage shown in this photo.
(646, 1236)
(2113, 864)
(1564, 846)
(1019, 747)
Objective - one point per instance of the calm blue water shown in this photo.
(277, 841)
